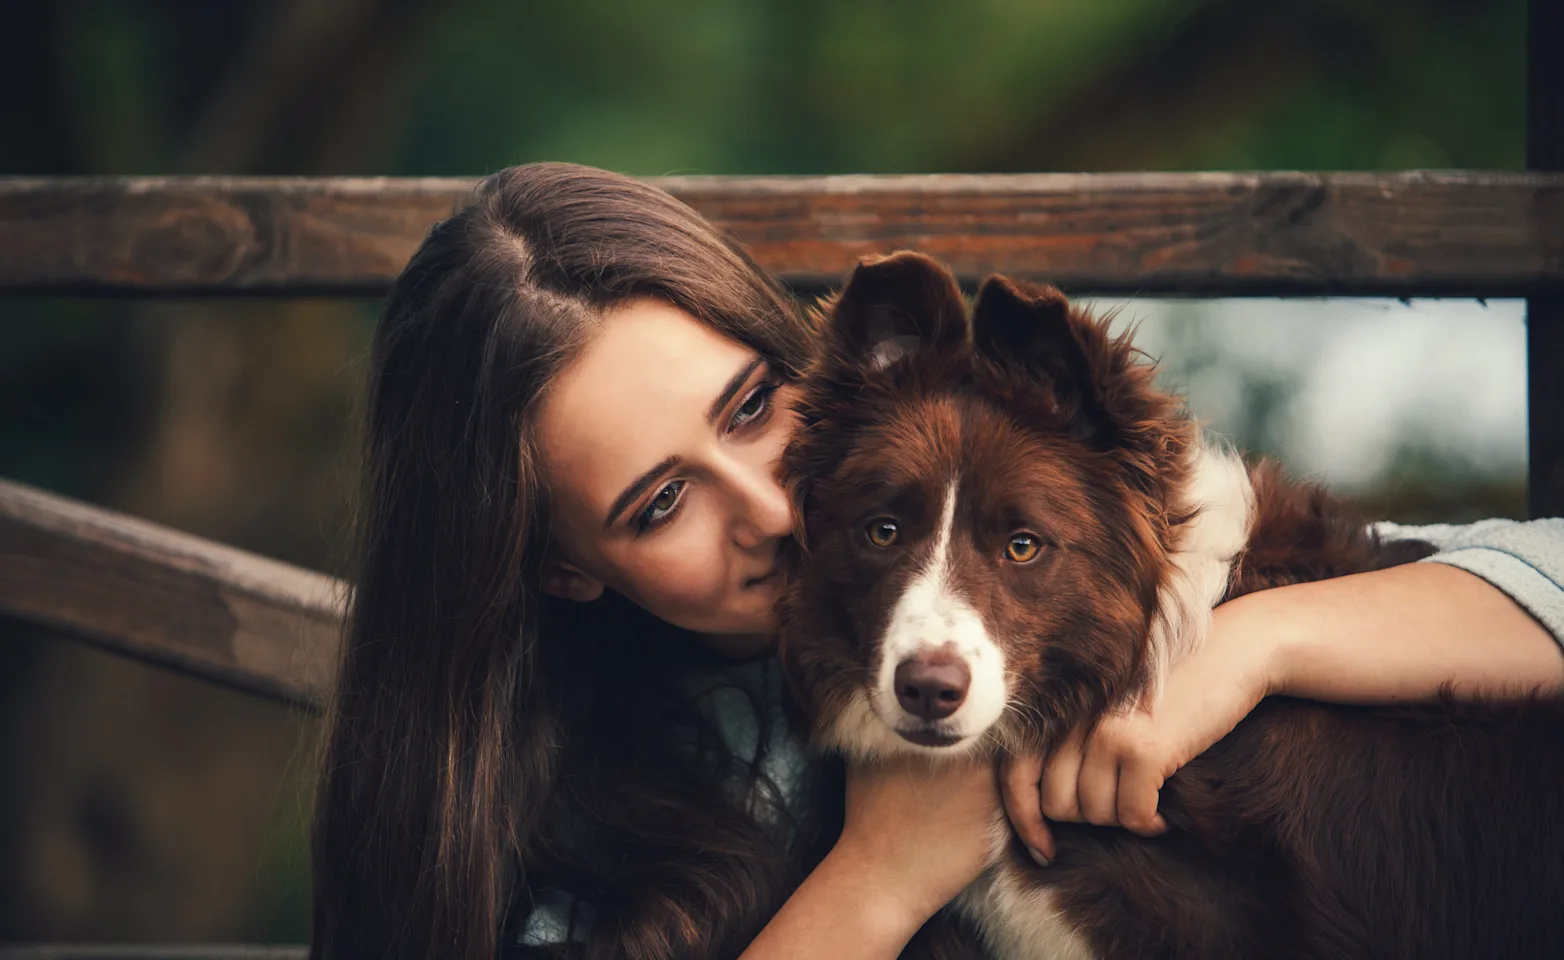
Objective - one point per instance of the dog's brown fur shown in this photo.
(1312, 830)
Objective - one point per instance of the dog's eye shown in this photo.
(882, 531)
(1022, 548)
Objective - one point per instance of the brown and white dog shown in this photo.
(1010, 531)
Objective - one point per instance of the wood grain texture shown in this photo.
(1401, 234)
(168, 597)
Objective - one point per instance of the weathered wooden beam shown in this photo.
(168, 597)
(1545, 313)
(1401, 234)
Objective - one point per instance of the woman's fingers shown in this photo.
(1140, 781)
(1060, 790)
(1114, 778)
(1099, 779)
(1021, 786)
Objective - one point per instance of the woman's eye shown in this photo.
(661, 507)
(1022, 548)
(754, 405)
(882, 531)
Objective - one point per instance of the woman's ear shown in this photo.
(569, 582)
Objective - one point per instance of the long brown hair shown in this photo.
(486, 742)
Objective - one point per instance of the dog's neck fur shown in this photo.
(1219, 501)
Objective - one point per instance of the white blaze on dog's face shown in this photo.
(941, 677)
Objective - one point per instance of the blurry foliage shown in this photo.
(816, 86)
(1246, 390)
(775, 86)
(231, 419)
(1424, 484)
(1253, 397)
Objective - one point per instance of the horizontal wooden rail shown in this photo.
(1399, 234)
(168, 597)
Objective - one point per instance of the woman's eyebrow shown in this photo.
(637, 487)
(639, 484)
(733, 387)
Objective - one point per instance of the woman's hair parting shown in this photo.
(485, 742)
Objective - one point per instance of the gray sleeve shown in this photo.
(556, 918)
(1524, 559)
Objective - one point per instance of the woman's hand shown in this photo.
(1396, 635)
(915, 835)
(1111, 776)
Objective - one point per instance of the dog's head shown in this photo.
(985, 506)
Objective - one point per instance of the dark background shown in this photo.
(139, 805)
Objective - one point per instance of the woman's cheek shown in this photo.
(685, 577)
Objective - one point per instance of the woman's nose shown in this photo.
(765, 512)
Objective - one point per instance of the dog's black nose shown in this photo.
(932, 686)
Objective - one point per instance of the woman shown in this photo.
(556, 721)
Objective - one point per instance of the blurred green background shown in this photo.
(140, 805)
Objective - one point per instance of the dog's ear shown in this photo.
(893, 307)
(1034, 330)
(1099, 385)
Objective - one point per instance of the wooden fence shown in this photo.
(268, 628)
(1216, 234)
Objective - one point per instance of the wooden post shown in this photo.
(1545, 313)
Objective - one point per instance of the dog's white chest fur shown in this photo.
(1019, 922)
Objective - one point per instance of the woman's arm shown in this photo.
(916, 834)
(1524, 560)
(1483, 616)
(1399, 634)
(1394, 635)
(840, 905)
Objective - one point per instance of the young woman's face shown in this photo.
(661, 444)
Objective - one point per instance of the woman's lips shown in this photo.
(767, 577)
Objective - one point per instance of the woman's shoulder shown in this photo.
(746, 702)
(554, 919)
(1523, 558)
(1498, 533)
(1538, 543)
